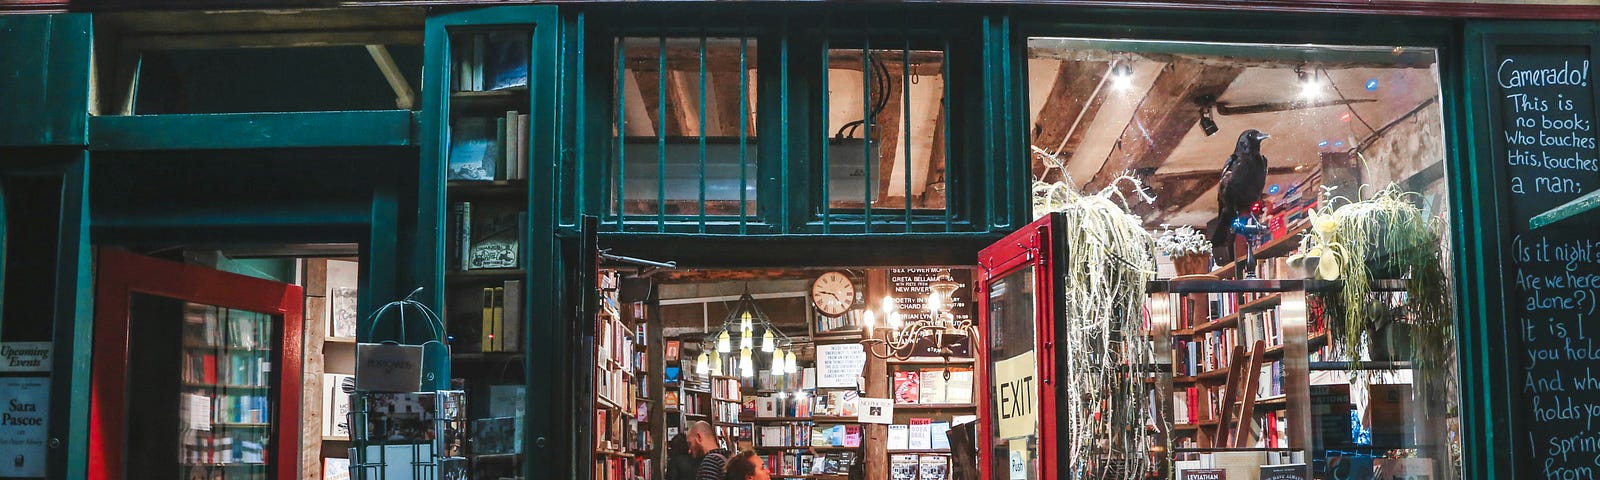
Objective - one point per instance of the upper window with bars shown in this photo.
(684, 129)
(886, 120)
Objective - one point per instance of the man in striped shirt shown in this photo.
(703, 444)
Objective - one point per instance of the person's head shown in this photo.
(746, 465)
(679, 444)
(702, 438)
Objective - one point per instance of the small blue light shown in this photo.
(1272, 190)
(1338, 144)
(1372, 85)
(1322, 144)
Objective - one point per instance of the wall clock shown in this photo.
(833, 294)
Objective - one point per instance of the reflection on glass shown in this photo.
(225, 409)
(1298, 128)
(1013, 412)
(684, 128)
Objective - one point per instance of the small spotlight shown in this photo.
(1122, 76)
(1310, 86)
(1372, 85)
(1208, 125)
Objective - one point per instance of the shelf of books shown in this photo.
(929, 396)
(625, 435)
(227, 398)
(486, 158)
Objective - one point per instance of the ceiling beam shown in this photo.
(1072, 102)
(887, 130)
(683, 105)
(1164, 116)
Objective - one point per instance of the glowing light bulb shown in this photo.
(716, 364)
(744, 321)
(1122, 77)
(777, 364)
(789, 364)
(702, 365)
(747, 365)
(724, 342)
(867, 319)
(767, 341)
(933, 302)
(746, 341)
(888, 305)
(894, 320)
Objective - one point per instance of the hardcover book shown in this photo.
(933, 467)
(472, 149)
(494, 238)
(907, 386)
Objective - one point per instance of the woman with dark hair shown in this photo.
(680, 463)
(746, 465)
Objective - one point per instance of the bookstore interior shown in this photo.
(1235, 304)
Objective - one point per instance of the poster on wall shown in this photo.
(1016, 395)
(23, 409)
(24, 357)
(838, 366)
(343, 277)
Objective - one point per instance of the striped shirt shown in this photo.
(712, 464)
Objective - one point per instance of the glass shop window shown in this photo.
(1315, 163)
(887, 115)
(27, 327)
(684, 128)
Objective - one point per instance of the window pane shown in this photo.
(685, 127)
(1232, 139)
(881, 121)
(1012, 323)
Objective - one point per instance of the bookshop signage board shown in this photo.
(1542, 134)
(910, 289)
(24, 407)
(25, 357)
(1016, 395)
(838, 366)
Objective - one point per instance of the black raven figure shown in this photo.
(1243, 178)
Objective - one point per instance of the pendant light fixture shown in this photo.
(702, 365)
(789, 363)
(747, 320)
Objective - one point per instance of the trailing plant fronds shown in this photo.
(1388, 237)
(1109, 259)
(1182, 241)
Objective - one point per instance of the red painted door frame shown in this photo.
(1028, 247)
(120, 274)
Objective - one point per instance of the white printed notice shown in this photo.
(23, 430)
(24, 356)
(839, 365)
(875, 410)
(1544, 138)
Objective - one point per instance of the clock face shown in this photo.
(833, 294)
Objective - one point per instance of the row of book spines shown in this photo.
(240, 330)
(622, 468)
(621, 431)
(239, 369)
(792, 435)
(502, 317)
(727, 412)
(490, 60)
(1210, 351)
(929, 386)
(725, 388)
(801, 463)
(615, 342)
(223, 447)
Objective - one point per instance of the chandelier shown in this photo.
(743, 323)
(899, 339)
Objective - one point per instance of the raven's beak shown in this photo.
(1262, 136)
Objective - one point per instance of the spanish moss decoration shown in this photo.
(1110, 258)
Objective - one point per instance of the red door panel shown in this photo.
(1015, 320)
(119, 276)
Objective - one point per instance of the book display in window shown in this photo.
(489, 107)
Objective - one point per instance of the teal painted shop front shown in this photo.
(78, 173)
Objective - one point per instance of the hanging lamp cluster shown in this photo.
(716, 350)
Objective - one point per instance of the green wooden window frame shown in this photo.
(985, 192)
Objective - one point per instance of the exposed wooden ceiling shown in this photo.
(1150, 128)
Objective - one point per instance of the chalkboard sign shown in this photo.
(1543, 137)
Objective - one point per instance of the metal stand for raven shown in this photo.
(402, 426)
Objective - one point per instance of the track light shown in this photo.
(1207, 124)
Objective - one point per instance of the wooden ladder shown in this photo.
(1238, 398)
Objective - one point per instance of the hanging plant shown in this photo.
(1110, 257)
(1387, 236)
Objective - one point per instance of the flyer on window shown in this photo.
(24, 406)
